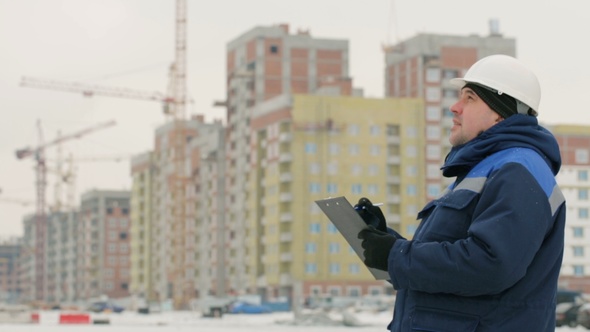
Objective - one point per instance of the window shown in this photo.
(334, 290)
(310, 248)
(353, 291)
(432, 75)
(433, 152)
(582, 156)
(372, 189)
(433, 190)
(451, 93)
(411, 151)
(314, 168)
(353, 129)
(433, 113)
(334, 149)
(353, 149)
(334, 247)
(583, 194)
(432, 171)
(356, 169)
(374, 130)
(411, 132)
(331, 188)
(411, 190)
(354, 268)
(314, 188)
(314, 228)
(375, 150)
(373, 169)
(583, 175)
(411, 170)
(432, 94)
(433, 132)
(311, 268)
(310, 148)
(332, 229)
(332, 168)
(578, 232)
(356, 189)
(578, 270)
(392, 130)
(274, 49)
(578, 251)
(583, 213)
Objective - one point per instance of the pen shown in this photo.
(375, 204)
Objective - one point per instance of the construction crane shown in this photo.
(174, 106)
(41, 183)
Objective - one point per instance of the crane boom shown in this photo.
(26, 152)
(89, 90)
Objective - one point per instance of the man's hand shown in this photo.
(372, 215)
(377, 246)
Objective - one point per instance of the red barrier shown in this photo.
(74, 318)
(35, 318)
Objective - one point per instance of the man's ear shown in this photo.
(499, 119)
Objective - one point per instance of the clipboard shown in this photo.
(343, 215)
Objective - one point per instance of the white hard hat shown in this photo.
(504, 74)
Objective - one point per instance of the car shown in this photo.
(248, 308)
(584, 315)
(105, 306)
(564, 295)
(566, 314)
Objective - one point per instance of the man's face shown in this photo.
(472, 116)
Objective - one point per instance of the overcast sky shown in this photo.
(130, 43)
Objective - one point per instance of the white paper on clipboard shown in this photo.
(342, 214)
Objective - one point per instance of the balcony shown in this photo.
(285, 197)
(286, 217)
(286, 177)
(395, 160)
(285, 137)
(393, 140)
(285, 158)
(393, 179)
(286, 237)
(393, 199)
(286, 257)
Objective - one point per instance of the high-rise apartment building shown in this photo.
(574, 181)
(421, 67)
(142, 172)
(157, 264)
(61, 257)
(309, 147)
(102, 244)
(262, 63)
(10, 287)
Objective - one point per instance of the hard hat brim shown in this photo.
(458, 82)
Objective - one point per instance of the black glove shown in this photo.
(371, 215)
(377, 246)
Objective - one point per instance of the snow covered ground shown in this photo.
(187, 321)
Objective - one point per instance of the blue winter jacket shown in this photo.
(487, 253)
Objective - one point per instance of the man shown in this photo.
(487, 253)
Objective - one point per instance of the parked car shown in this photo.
(584, 315)
(566, 314)
(248, 308)
(105, 306)
(564, 295)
